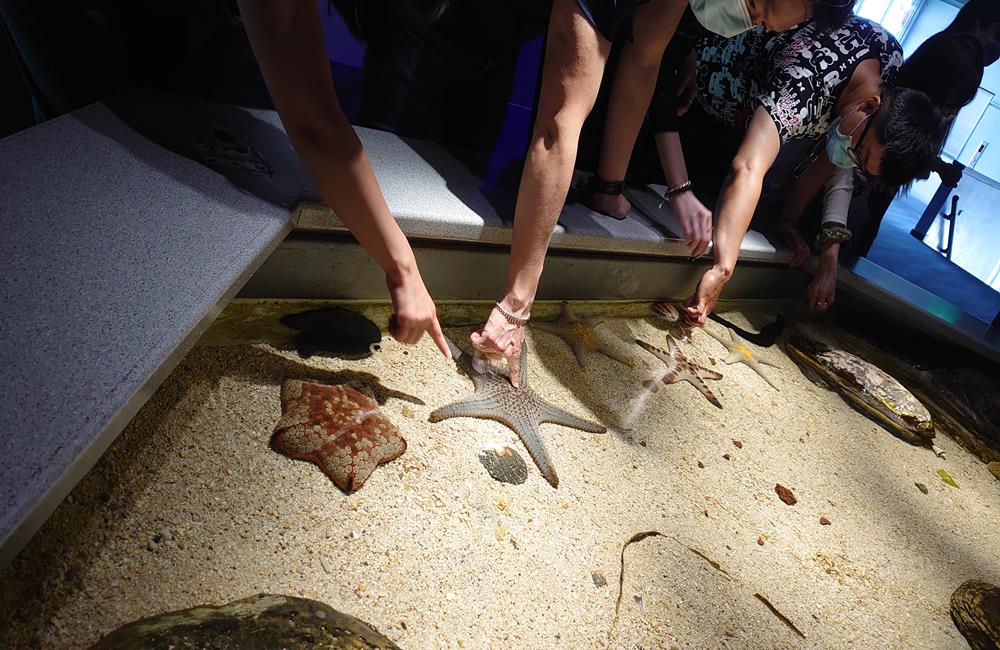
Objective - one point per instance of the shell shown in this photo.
(867, 387)
(975, 609)
(504, 464)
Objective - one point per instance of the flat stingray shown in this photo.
(740, 352)
(520, 409)
(579, 335)
(337, 428)
(336, 331)
(680, 369)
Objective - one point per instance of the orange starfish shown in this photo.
(338, 428)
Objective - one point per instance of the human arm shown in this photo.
(804, 189)
(287, 40)
(695, 218)
(736, 206)
(836, 204)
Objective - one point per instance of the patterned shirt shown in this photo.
(796, 75)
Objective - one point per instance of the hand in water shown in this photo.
(702, 302)
(789, 236)
(414, 312)
(823, 289)
(499, 339)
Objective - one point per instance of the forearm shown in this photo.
(805, 187)
(829, 251)
(737, 202)
(347, 183)
(668, 145)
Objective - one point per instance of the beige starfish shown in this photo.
(740, 352)
(680, 369)
(579, 335)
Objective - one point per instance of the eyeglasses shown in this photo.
(861, 173)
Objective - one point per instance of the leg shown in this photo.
(654, 25)
(571, 75)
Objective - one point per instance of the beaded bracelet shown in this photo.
(837, 234)
(511, 318)
(683, 187)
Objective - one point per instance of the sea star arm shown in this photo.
(475, 406)
(528, 433)
(696, 381)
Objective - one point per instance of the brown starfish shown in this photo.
(338, 428)
(680, 369)
(579, 335)
(740, 352)
(678, 323)
(520, 409)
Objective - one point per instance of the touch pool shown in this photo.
(667, 530)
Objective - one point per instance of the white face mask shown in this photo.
(724, 17)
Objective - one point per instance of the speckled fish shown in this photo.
(868, 388)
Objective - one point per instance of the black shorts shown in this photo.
(607, 16)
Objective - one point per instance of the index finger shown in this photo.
(438, 337)
(514, 368)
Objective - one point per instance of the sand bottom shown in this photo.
(191, 506)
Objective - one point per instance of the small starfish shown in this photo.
(520, 409)
(579, 335)
(678, 323)
(337, 428)
(740, 352)
(680, 369)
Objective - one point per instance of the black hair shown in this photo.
(912, 130)
(830, 14)
(985, 12)
(948, 66)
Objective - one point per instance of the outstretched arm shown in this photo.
(288, 43)
(737, 203)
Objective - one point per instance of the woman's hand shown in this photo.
(696, 220)
(702, 302)
(413, 311)
(790, 236)
(499, 339)
(823, 289)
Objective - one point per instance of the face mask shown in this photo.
(724, 17)
(838, 145)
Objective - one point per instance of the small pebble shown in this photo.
(823, 521)
(760, 541)
(738, 444)
(501, 532)
(921, 487)
(407, 411)
(599, 579)
(701, 465)
(727, 456)
(785, 494)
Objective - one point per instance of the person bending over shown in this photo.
(807, 83)
(948, 69)
(288, 42)
(577, 46)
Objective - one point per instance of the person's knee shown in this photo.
(558, 127)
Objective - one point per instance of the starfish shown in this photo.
(579, 335)
(338, 428)
(680, 369)
(520, 409)
(740, 352)
(678, 323)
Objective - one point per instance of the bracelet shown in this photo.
(511, 318)
(837, 234)
(597, 185)
(683, 187)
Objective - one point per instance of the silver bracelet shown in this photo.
(511, 318)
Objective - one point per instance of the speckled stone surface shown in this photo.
(115, 254)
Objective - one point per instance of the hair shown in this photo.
(912, 130)
(948, 67)
(985, 12)
(830, 14)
